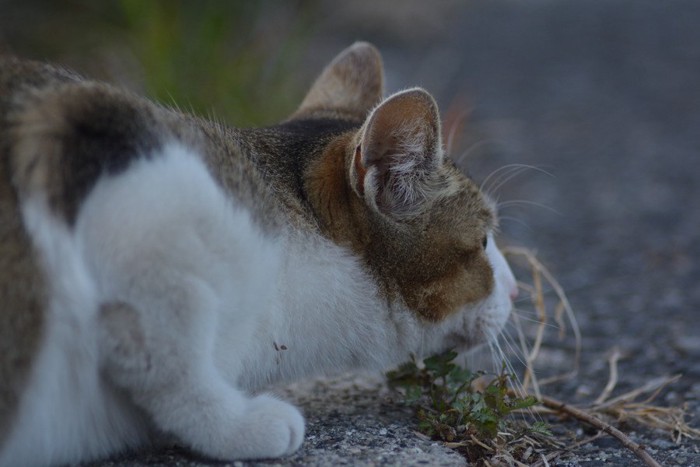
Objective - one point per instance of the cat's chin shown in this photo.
(473, 326)
(461, 342)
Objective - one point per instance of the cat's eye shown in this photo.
(485, 241)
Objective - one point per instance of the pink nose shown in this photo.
(514, 292)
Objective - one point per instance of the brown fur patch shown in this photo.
(22, 297)
(22, 284)
(64, 139)
(340, 211)
(435, 263)
(440, 266)
(426, 252)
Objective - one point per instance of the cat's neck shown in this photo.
(328, 318)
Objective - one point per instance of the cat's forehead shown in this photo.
(468, 207)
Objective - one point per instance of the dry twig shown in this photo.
(594, 421)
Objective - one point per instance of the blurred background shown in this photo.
(586, 114)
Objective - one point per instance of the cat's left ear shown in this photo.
(352, 84)
(397, 165)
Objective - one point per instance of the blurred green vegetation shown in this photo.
(219, 56)
(236, 61)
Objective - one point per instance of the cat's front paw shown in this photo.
(276, 427)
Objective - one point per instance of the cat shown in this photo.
(157, 270)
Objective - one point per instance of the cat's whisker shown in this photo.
(500, 176)
(497, 357)
(468, 152)
(514, 379)
(539, 322)
(521, 202)
(505, 178)
(513, 350)
(494, 177)
(514, 220)
(509, 368)
(505, 174)
(524, 299)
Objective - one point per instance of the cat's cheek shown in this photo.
(494, 317)
(496, 309)
(460, 289)
(482, 322)
(501, 271)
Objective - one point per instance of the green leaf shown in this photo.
(541, 428)
(440, 365)
(448, 408)
(413, 393)
(522, 403)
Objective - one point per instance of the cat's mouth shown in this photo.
(461, 342)
(479, 326)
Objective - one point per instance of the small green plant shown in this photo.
(451, 409)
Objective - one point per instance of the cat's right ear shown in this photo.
(398, 157)
(352, 84)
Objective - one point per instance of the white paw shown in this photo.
(276, 427)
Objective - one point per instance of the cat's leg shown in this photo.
(185, 270)
(170, 377)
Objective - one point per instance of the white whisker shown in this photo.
(470, 150)
(505, 178)
(515, 220)
(496, 176)
(539, 322)
(506, 173)
(521, 202)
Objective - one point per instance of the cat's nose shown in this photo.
(513, 292)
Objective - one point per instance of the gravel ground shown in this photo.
(605, 97)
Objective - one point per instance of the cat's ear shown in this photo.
(353, 83)
(397, 163)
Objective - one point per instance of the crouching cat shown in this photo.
(158, 270)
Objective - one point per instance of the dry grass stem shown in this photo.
(563, 307)
(612, 380)
(627, 407)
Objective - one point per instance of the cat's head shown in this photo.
(389, 192)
